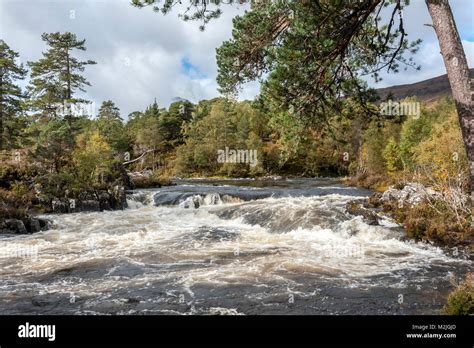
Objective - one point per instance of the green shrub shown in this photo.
(156, 179)
(434, 222)
(461, 300)
(9, 174)
(12, 206)
(391, 155)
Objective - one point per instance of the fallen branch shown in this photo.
(139, 157)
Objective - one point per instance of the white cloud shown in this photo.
(432, 65)
(154, 46)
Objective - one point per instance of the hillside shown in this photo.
(427, 90)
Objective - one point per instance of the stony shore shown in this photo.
(86, 201)
(402, 205)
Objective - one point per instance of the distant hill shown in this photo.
(178, 99)
(427, 91)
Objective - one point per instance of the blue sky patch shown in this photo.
(191, 70)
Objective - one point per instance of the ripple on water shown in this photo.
(223, 256)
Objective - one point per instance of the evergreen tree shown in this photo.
(54, 145)
(171, 122)
(11, 95)
(56, 77)
(153, 110)
(146, 135)
(108, 111)
(110, 126)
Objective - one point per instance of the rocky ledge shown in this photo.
(26, 225)
(371, 209)
(411, 194)
(90, 201)
(12, 221)
(419, 209)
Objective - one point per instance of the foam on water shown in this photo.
(255, 242)
(350, 247)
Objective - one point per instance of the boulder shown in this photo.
(411, 194)
(4, 227)
(118, 199)
(44, 224)
(357, 208)
(32, 224)
(87, 196)
(104, 200)
(87, 201)
(90, 205)
(16, 226)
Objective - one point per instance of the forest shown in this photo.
(56, 146)
(52, 144)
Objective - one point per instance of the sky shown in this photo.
(142, 55)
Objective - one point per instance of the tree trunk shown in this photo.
(1, 114)
(1, 127)
(458, 75)
(68, 92)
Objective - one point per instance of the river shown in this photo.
(226, 247)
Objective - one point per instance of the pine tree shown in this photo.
(56, 77)
(11, 95)
(54, 145)
(110, 126)
(109, 112)
(153, 110)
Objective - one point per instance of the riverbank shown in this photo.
(415, 207)
(19, 212)
(16, 218)
(22, 201)
(440, 217)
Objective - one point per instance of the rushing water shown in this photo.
(228, 247)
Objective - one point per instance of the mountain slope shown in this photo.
(427, 91)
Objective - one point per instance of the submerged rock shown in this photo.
(15, 225)
(32, 225)
(24, 226)
(357, 208)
